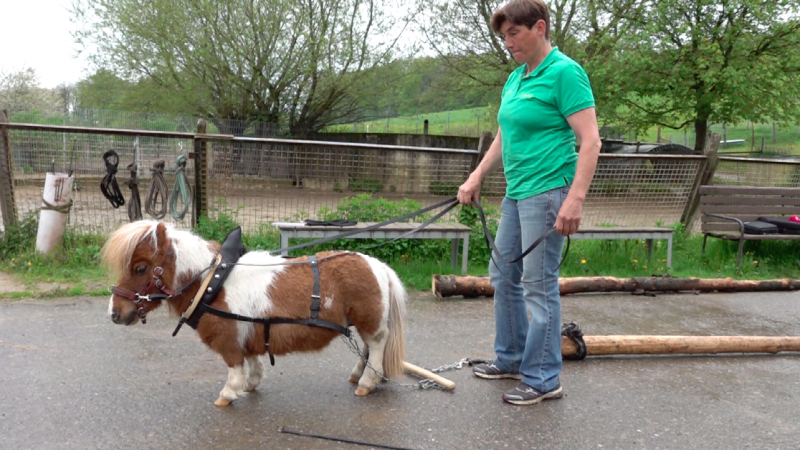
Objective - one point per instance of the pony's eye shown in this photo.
(141, 269)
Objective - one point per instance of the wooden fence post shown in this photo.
(200, 172)
(8, 205)
(705, 175)
(484, 143)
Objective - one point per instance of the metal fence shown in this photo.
(776, 172)
(37, 151)
(259, 181)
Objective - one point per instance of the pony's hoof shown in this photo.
(222, 402)
(361, 391)
(250, 388)
(354, 379)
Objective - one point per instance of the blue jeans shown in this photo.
(531, 348)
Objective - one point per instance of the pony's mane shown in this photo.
(192, 253)
(118, 250)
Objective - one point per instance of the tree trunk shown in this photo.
(669, 345)
(700, 131)
(470, 287)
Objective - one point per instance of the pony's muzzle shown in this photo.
(118, 319)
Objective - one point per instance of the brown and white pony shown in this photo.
(356, 290)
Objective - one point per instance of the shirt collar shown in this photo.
(549, 59)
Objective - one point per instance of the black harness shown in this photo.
(230, 252)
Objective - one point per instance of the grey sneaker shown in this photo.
(492, 372)
(526, 395)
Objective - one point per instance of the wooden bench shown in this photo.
(646, 233)
(724, 209)
(453, 231)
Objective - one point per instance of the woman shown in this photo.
(546, 103)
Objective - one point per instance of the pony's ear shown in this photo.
(161, 238)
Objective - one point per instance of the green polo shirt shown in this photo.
(538, 143)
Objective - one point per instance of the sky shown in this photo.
(37, 35)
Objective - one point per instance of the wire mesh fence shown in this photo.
(633, 190)
(779, 172)
(259, 181)
(36, 152)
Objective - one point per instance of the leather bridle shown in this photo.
(143, 296)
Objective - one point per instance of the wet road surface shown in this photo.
(71, 379)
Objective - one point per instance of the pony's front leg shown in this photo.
(234, 387)
(255, 371)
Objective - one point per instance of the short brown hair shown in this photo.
(522, 12)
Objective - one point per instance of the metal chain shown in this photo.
(425, 384)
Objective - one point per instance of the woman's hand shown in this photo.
(470, 190)
(569, 216)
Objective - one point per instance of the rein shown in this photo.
(206, 294)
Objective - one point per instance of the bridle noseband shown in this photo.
(141, 297)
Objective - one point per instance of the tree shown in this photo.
(696, 62)
(459, 31)
(299, 64)
(21, 89)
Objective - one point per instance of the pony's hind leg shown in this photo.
(373, 374)
(255, 371)
(358, 370)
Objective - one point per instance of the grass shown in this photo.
(467, 122)
(459, 122)
(619, 258)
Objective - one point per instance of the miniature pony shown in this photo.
(355, 290)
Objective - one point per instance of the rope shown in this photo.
(63, 209)
(346, 441)
(181, 186)
(109, 186)
(135, 204)
(158, 191)
(573, 331)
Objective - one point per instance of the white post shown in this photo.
(53, 217)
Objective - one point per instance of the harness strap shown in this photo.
(267, 321)
(315, 299)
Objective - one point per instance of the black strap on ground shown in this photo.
(574, 332)
(156, 204)
(109, 186)
(135, 203)
(345, 441)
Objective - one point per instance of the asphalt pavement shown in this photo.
(71, 379)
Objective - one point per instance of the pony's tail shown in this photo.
(395, 352)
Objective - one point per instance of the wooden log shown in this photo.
(668, 345)
(420, 372)
(469, 286)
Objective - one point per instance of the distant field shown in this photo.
(468, 122)
(459, 122)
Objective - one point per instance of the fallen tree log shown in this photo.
(469, 286)
(668, 345)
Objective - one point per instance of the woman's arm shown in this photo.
(584, 125)
(471, 189)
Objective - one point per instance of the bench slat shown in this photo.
(775, 201)
(757, 237)
(750, 209)
(747, 190)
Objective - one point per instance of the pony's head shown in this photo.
(142, 257)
